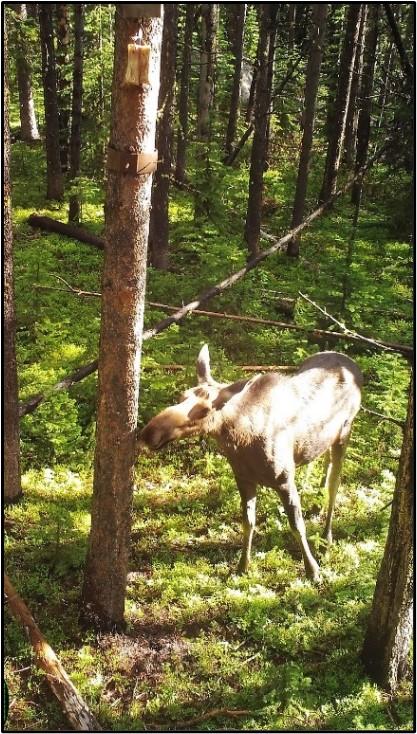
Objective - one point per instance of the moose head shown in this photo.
(197, 412)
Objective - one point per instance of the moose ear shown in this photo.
(203, 365)
(199, 411)
(228, 392)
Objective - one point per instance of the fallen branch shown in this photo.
(278, 246)
(69, 230)
(349, 334)
(214, 713)
(73, 705)
(383, 417)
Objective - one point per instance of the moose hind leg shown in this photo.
(292, 506)
(337, 453)
(247, 492)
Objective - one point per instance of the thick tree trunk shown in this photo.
(390, 626)
(311, 87)
(182, 135)
(12, 486)
(258, 154)
(238, 19)
(76, 110)
(54, 178)
(134, 110)
(28, 125)
(367, 83)
(353, 110)
(159, 221)
(63, 79)
(335, 147)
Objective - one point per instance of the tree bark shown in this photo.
(367, 83)
(73, 706)
(335, 146)
(133, 124)
(390, 626)
(28, 125)
(12, 485)
(292, 8)
(159, 221)
(353, 111)
(312, 84)
(238, 19)
(54, 178)
(76, 110)
(209, 13)
(182, 135)
(258, 155)
(63, 80)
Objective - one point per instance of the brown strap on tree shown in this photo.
(135, 164)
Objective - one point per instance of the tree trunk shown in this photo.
(63, 79)
(159, 221)
(335, 147)
(270, 80)
(206, 90)
(258, 155)
(182, 135)
(134, 110)
(76, 110)
(12, 485)
(54, 178)
(390, 626)
(28, 125)
(252, 90)
(311, 87)
(367, 83)
(239, 15)
(209, 13)
(292, 8)
(353, 111)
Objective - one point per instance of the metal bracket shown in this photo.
(135, 164)
(141, 10)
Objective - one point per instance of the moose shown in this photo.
(268, 425)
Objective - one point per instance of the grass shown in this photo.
(199, 637)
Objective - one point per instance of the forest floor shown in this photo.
(270, 650)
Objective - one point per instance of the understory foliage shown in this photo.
(282, 652)
(198, 637)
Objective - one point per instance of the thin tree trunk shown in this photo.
(239, 16)
(252, 90)
(207, 68)
(77, 104)
(292, 9)
(353, 111)
(270, 80)
(28, 125)
(311, 88)
(390, 626)
(258, 154)
(367, 83)
(335, 147)
(54, 178)
(159, 221)
(206, 91)
(134, 110)
(63, 79)
(182, 135)
(11, 476)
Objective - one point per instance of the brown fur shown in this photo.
(267, 426)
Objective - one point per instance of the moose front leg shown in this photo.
(247, 491)
(291, 501)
